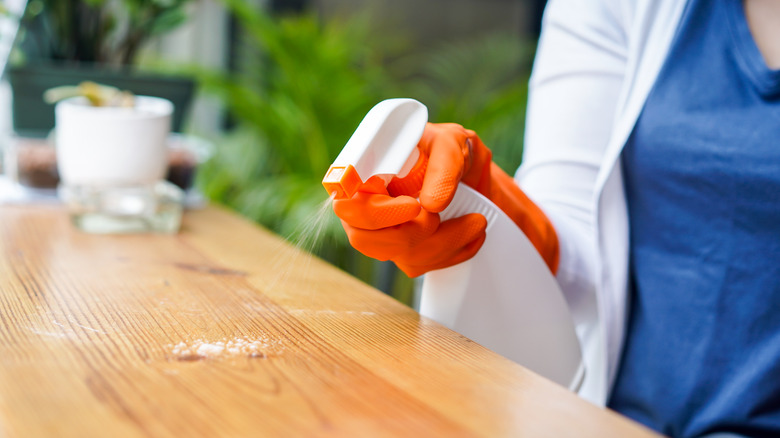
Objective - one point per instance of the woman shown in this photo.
(653, 162)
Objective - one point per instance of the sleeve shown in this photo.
(576, 84)
(573, 96)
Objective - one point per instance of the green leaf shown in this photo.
(167, 21)
(94, 3)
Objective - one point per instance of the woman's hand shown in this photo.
(393, 225)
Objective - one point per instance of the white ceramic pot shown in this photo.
(112, 146)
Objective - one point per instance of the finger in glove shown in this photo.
(455, 241)
(375, 211)
(389, 243)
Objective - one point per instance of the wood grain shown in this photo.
(89, 326)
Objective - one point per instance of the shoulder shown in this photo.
(621, 20)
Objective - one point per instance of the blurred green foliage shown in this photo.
(481, 84)
(304, 85)
(110, 32)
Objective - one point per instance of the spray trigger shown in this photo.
(382, 147)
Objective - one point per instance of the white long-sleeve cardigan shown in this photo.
(596, 63)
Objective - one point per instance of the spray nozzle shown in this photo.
(343, 181)
(384, 145)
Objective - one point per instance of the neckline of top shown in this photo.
(747, 54)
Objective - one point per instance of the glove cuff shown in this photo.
(507, 195)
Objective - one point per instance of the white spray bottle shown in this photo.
(504, 297)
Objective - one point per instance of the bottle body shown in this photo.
(505, 298)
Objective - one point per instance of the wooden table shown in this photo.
(117, 336)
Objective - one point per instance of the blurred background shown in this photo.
(276, 87)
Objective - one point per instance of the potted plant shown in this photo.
(33, 162)
(112, 157)
(65, 42)
(105, 136)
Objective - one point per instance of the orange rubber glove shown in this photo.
(391, 224)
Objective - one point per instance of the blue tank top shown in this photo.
(702, 179)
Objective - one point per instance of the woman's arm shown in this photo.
(574, 92)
